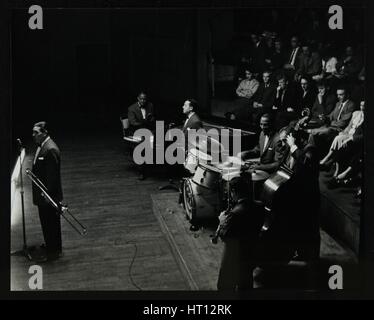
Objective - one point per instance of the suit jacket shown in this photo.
(325, 108)
(266, 96)
(310, 65)
(135, 116)
(193, 122)
(268, 154)
(290, 99)
(308, 100)
(47, 169)
(345, 116)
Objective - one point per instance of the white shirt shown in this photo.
(291, 159)
(266, 141)
(39, 148)
(330, 65)
(341, 109)
(293, 56)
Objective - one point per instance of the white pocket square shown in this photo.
(40, 158)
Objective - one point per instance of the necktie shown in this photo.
(340, 112)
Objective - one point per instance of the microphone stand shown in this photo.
(25, 251)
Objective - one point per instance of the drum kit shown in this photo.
(205, 192)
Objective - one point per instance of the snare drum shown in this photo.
(191, 161)
(207, 176)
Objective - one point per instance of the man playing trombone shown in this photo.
(46, 166)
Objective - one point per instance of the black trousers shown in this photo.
(51, 227)
(236, 268)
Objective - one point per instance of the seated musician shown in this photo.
(193, 121)
(141, 115)
(239, 230)
(265, 150)
(295, 207)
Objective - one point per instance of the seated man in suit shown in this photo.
(310, 63)
(323, 104)
(265, 149)
(264, 98)
(293, 58)
(141, 114)
(193, 121)
(286, 108)
(307, 94)
(334, 123)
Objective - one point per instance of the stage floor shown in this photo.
(138, 237)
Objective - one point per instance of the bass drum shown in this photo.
(200, 203)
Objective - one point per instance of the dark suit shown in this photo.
(297, 58)
(322, 108)
(310, 65)
(136, 119)
(345, 116)
(47, 169)
(335, 123)
(193, 122)
(266, 97)
(308, 100)
(268, 154)
(287, 99)
(242, 234)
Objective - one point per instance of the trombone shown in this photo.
(63, 210)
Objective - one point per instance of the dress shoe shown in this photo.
(194, 227)
(39, 257)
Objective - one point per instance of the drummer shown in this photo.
(263, 156)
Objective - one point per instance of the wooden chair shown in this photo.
(130, 140)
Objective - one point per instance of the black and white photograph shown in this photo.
(179, 147)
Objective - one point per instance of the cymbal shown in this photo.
(206, 144)
(200, 155)
(228, 176)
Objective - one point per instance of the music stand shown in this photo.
(25, 251)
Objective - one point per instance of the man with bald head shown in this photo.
(46, 166)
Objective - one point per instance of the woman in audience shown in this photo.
(346, 148)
